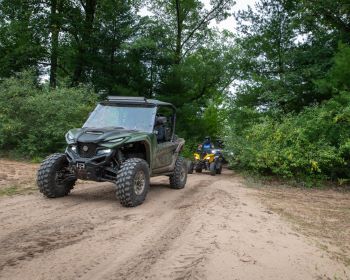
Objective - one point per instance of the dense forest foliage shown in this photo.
(277, 89)
(290, 114)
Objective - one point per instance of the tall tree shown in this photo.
(283, 53)
(187, 22)
(22, 39)
(55, 28)
(335, 14)
(81, 16)
(115, 29)
(92, 41)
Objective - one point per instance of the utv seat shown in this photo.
(161, 129)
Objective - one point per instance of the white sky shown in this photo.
(229, 23)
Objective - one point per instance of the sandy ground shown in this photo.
(17, 177)
(215, 228)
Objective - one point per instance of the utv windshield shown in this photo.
(133, 118)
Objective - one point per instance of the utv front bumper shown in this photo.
(96, 168)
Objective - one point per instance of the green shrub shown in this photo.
(189, 148)
(34, 120)
(314, 143)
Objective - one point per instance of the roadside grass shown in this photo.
(17, 177)
(255, 179)
(9, 190)
(19, 157)
(16, 190)
(321, 213)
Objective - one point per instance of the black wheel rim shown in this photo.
(139, 182)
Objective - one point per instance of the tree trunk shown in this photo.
(54, 25)
(178, 50)
(81, 61)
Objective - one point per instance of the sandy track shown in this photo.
(212, 229)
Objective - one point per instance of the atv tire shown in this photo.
(179, 177)
(48, 175)
(219, 170)
(212, 168)
(133, 182)
(190, 167)
(199, 170)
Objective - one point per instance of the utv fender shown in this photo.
(147, 147)
(180, 145)
(180, 142)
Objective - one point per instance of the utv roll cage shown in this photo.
(141, 102)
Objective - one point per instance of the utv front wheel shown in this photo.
(133, 182)
(179, 177)
(54, 179)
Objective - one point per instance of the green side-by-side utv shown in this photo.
(125, 140)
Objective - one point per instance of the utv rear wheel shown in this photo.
(54, 179)
(133, 182)
(179, 177)
(212, 168)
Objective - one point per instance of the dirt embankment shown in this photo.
(215, 228)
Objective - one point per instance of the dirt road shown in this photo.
(213, 229)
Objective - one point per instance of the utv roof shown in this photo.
(127, 100)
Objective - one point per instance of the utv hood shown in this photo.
(106, 135)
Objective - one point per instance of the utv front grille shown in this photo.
(87, 150)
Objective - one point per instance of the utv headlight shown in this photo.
(115, 140)
(74, 148)
(69, 138)
(103, 152)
